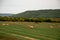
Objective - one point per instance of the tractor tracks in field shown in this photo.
(26, 37)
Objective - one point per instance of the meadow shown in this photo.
(22, 31)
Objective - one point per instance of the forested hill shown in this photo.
(40, 14)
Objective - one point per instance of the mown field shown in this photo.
(22, 31)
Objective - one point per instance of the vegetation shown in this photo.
(6, 18)
(31, 25)
(41, 31)
(39, 14)
(35, 16)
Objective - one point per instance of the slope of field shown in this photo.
(22, 31)
(40, 14)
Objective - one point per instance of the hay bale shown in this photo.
(7, 24)
(31, 27)
(3, 24)
(51, 26)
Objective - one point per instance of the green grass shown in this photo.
(41, 31)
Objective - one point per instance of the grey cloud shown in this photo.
(15, 6)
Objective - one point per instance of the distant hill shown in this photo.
(40, 14)
(6, 14)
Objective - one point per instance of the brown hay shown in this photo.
(51, 26)
(3, 24)
(31, 27)
(7, 24)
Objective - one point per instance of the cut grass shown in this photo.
(41, 31)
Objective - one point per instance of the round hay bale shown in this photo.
(51, 26)
(7, 24)
(31, 27)
(3, 24)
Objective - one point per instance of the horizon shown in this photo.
(29, 10)
(18, 6)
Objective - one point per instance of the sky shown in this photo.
(17, 6)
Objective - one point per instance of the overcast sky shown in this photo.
(16, 6)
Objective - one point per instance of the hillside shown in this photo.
(40, 14)
(6, 14)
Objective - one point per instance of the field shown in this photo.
(22, 31)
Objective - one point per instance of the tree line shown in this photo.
(13, 19)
